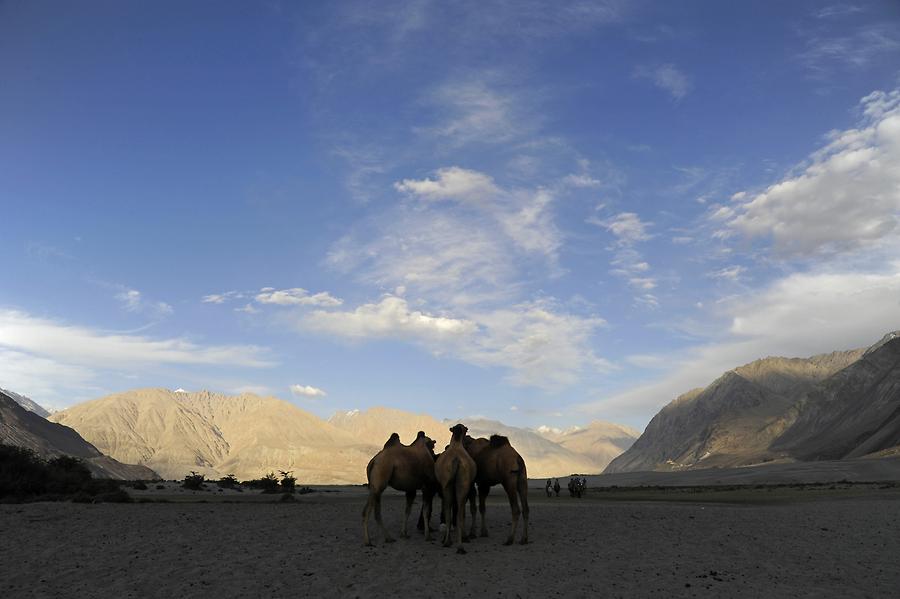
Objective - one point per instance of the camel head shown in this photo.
(459, 431)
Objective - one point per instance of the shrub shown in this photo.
(287, 481)
(24, 476)
(228, 481)
(193, 481)
(139, 486)
(268, 483)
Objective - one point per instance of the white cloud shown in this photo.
(826, 53)
(731, 273)
(581, 180)
(846, 197)
(629, 264)
(73, 344)
(297, 296)
(443, 254)
(40, 378)
(666, 77)
(476, 110)
(133, 301)
(390, 317)
(221, 298)
(538, 344)
(542, 346)
(626, 226)
(307, 391)
(451, 183)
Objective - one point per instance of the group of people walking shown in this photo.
(577, 486)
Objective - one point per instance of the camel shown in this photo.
(498, 463)
(455, 472)
(406, 468)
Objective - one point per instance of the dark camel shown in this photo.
(455, 472)
(498, 463)
(406, 468)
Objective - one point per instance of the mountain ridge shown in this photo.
(750, 414)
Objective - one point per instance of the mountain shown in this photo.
(24, 428)
(735, 420)
(214, 434)
(176, 432)
(600, 441)
(26, 402)
(543, 457)
(854, 413)
(375, 425)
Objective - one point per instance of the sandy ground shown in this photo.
(782, 542)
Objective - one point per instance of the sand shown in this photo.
(785, 542)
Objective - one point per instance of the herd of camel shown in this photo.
(453, 475)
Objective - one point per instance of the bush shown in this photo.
(228, 481)
(268, 483)
(287, 481)
(193, 481)
(24, 476)
(139, 486)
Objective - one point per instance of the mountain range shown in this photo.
(839, 405)
(26, 428)
(175, 432)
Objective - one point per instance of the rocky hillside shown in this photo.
(854, 413)
(737, 420)
(245, 435)
(600, 441)
(375, 425)
(26, 402)
(25, 428)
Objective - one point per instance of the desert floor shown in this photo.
(788, 541)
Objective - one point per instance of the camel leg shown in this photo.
(482, 497)
(427, 500)
(420, 523)
(471, 498)
(522, 485)
(387, 536)
(510, 489)
(447, 508)
(460, 517)
(370, 502)
(410, 499)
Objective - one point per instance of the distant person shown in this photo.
(556, 487)
(548, 487)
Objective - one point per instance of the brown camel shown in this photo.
(406, 468)
(499, 464)
(455, 472)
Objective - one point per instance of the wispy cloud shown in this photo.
(666, 77)
(297, 296)
(826, 53)
(133, 300)
(294, 296)
(479, 109)
(79, 345)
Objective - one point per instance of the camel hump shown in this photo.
(394, 440)
(499, 441)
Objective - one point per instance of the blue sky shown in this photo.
(545, 215)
